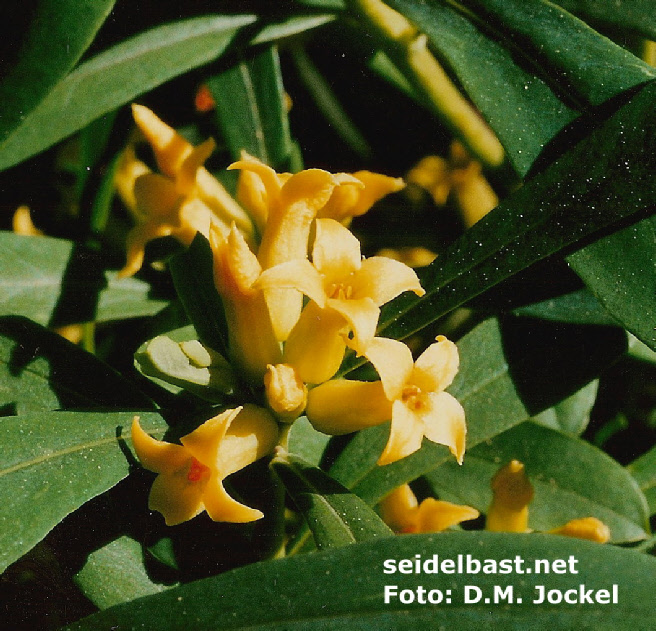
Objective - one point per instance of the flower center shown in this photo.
(341, 291)
(414, 398)
(197, 471)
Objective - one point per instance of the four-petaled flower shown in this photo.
(346, 293)
(191, 475)
(411, 394)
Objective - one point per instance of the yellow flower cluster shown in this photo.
(297, 293)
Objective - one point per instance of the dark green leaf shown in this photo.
(571, 415)
(39, 371)
(559, 208)
(508, 373)
(571, 478)
(564, 50)
(643, 469)
(633, 15)
(115, 574)
(344, 589)
(193, 275)
(335, 516)
(58, 33)
(253, 116)
(621, 271)
(520, 107)
(51, 464)
(306, 442)
(57, 282)
(118, 75)
(578, 307)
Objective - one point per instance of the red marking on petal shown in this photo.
(197, 471)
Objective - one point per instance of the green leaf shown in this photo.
(306, 442)
(115, 574)
(571, 415)
(335, 516)
(571, 478)
(54, 462)
(577, 307)
(563, 49)
(508, 373)
(621, 272)
(521, 108)
(559, 208)
(344, 589)
(254, 117)
(643, 469)
(193, 276)
(117, 76)
(58, 33)
(40, 370)
(633, 15)
(56, 282)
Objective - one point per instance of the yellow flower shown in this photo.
(411, 394)
(401, 511)
(191, 475)
(285, 392)
(459, 176)
(512, 492)
(251, 339)
(284, 207)
(346, 293)
(183, 200)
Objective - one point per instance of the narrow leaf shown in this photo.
(643, 469)
(54, 462)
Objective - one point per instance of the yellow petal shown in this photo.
(382, 279)
(204, 442)
(299, 274)
(136, 242)
(512, 492)
(156, 197)
(437, 515)
(393, 362)
(285, 392)
(128, 170)
(341, 406)
(399, 510)
(444, 423)
(406, 434)
(315, 346)
(589, 528)
(271, 181)
(362, 318)
(336, 251)
(252, 195)
(436, 367)
(236, 268)
(156, 455)
(176, 498)
(170, 148)
(252, 434)
(186, 176)
(221, 507)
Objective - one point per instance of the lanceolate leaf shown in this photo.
(55, 282)
(59, 32)
(643, 469)
(559, 468)
(571, 415)
(345, 589)
(335, 516)
(51, 464)
(559, 208)
(40, 371)
(250, 108)
(507, 374)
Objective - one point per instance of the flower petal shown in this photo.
(589, 528)
(136, 244)
(393, 362)
(204, 442)
(156, 197)
(438, 515)
(185, 180)
(341, 406)
(399, 510)
(382, 279)
(271, 181)
(436, 367)
(362, 317)
(406, 434)
(221, 507)
(299, 274)
(175, 497)
(336, 252)
(444, 423)
(156, 455)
